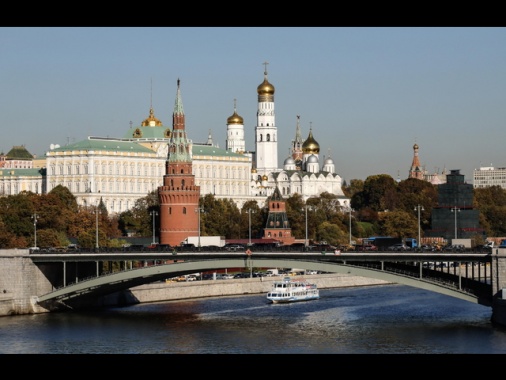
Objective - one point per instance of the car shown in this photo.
(187, 247)
(398, 247)
(455, 248)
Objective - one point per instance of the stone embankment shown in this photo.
(170, 291)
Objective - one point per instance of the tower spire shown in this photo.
(416, 170)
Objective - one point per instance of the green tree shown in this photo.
(399, 224)
(296, 215)
(256, 220)
(332, 234)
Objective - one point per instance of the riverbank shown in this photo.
(171, 291)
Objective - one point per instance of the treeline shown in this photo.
(379, 206)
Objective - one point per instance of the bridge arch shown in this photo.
(123, 280)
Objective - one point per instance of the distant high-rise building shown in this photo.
(455, 217)
(489, 176)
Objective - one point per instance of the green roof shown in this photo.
(19, 153)
(33, 172)
(208, 150)
(106, 145)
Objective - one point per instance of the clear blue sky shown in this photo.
(369, 93)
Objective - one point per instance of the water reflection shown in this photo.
(378, 319)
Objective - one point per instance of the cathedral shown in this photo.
(302, 171)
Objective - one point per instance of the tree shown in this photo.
(332, 234)
(256, 220)
(296, 215)
(399, 224)
(378, 191)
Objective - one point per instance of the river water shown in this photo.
(389, 319)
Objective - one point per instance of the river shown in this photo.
(388, 319)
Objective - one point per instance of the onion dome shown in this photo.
(235, 118)
(310, 146)
(264, 177)
(415, 146)
(329, 161)
(265, 88)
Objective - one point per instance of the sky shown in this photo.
(368, 93)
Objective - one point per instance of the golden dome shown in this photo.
(235, 119)
(265, 88)
(151, 121)
(415, 146)
(310, 146)
(265, 178)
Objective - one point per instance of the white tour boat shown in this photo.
(289, 290)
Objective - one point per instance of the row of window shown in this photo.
(118, 169)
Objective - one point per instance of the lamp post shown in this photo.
(418, 207)
(153, 213)
(96, 229)
(34, 217)
(250, 211)
(307, 242)
(199, 210)
(455, 210)
(350, 210)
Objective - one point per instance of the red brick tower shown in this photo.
(416, 170)
(179, 197)
(277, 226)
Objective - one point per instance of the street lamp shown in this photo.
(199, 210)
(350, 210)
(455, 210)
(250, 211)
(307, 207)
(96, 228)
(154, 213)
(34, 217)
(418, 207)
